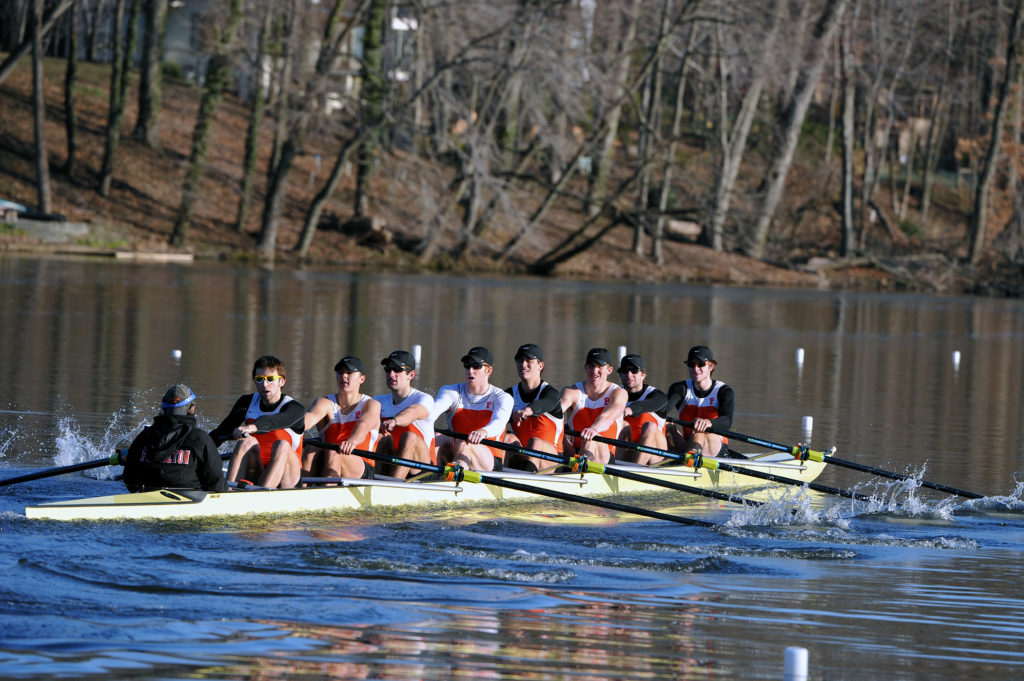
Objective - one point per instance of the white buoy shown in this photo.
(807, 425)
(622, 352)
(176, 354)
(796, 664)
(799, 357)
(956, 360)
(416, 351)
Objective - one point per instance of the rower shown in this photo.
(707, 402)
(646, 408)
(406, 429)
(594, 407)
(267, 426)
(173, 453)
(348, 419)
(536, 421)
(477, 409)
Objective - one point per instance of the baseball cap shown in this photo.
(349, 363)
(599, 356)
(176, 399)
(529, 351)
(478, 355)
(700, 352)
(632, 361)
(399, 359)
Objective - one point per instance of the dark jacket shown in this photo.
(173, 454)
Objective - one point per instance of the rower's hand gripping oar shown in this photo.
(697, 461)
(456, 473)
(803, 452)
(581, 464)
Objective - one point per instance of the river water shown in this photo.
(916, 585)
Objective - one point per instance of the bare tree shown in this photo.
(793, 118)
(45, 198)
(218, 72)
(70, 80)
(147, 124)
(124, 44)
(257, 107)
(25, 46)
(979, 217)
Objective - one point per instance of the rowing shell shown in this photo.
(358, 494)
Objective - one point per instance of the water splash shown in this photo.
(74, 447)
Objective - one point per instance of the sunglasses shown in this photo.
(697, 364)
(629, 371)
(272, 378)
(475, 365)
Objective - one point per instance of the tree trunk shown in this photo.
(979, 217)
(70, 80)
(217, 75)
(26, 45)
(252, 135)
(372, 92)
(45, 198)
(147, 125)
(115, 110)
(849, 86)
(620, 78)
(824, 33)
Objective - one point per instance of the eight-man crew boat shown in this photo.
(359, 494)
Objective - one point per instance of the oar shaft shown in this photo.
(798, 451)
(720, 465)
(474, 476)
(598, 468)
(59, 470)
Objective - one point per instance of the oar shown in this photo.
(699, 461)
(61, 470)
(584, 465)
(112, 460)
(803, 453)
(456, 473)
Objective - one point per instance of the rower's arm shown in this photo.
(612, 411)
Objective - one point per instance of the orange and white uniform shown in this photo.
(340, 426)
(467, 412)
(586, 411)
(717, 403)
(268, 439)
(424, 428)
(546, 426)
(636, 421)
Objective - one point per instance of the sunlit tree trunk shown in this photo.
(147, 125)
(45, 199)
(372, 94)
(218, 73)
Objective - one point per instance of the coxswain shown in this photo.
(173, 453)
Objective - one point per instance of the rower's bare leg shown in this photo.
(285, 468)
(541, 446)
(598, 452)
(651, 436)
(411, 447)
(710, 443)
(473, 457)
(245, 461)
(338, 465)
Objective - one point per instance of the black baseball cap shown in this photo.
(349, 364)
(700, 352)
(478, 355)
(528, 351)
(632, 361)
(177, 399)
(399, 360)
(599, 356)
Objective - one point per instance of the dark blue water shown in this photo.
(914, 585)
